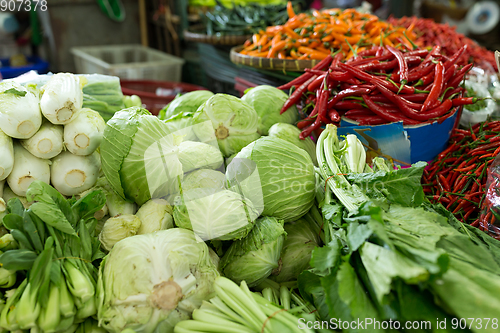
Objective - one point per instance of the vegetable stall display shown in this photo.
(380, 85)
(314, 36)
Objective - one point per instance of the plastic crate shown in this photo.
(34, 63)
(131, 62)
(156, 94)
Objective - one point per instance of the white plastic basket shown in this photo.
(131, 62)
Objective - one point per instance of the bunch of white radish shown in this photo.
(46, 135)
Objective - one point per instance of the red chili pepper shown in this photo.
(455, 57)
(323, 64)
(361, 112)
(485, 147)
(444, 182)
(458, 77)
(296, 95)
(372, 120)
(465, 101)
(403, 65)
(446, 151)
(436, 88)
(348, 105)
(317, 82)
(375, 80)
(359, 91)
(334, 115)
(387, 115)
(470, 167)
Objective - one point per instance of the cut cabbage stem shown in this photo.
(167, 294)
(72, 174)
(84, 134)
(47, 142)
(27, 168)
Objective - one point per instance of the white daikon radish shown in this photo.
(27, 168)
(83, 134)
(6, 155)
(62, 98)
(73, 174)
(20, 115)
(47, 142)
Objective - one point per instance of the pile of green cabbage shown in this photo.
(223, 187)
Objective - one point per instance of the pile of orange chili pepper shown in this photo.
(378, 86)
(315, 36)
(457, 177)
(431, 33)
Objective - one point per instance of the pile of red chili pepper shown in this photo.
(378, 86)
(431, 33)
(489, 220)
(457, 177)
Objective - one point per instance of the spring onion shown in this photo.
(7, 153)
(47, 142)
(73, 174)
(20, 115)
(62, 98)
(27, 168)
(84, 133)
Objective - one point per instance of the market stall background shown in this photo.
(233, 166)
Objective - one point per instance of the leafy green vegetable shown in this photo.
(267, 102)
(284, 177)
(254, 257)
(187, 103)
(14, 91)
(134, 151)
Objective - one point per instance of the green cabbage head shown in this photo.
(186, 103)
(215, 214)
(285, 177)
(267, 102)
(254, 257)
(135, 149)
(302, 238)
(150, 282)
(291, 134)
(234, 121)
